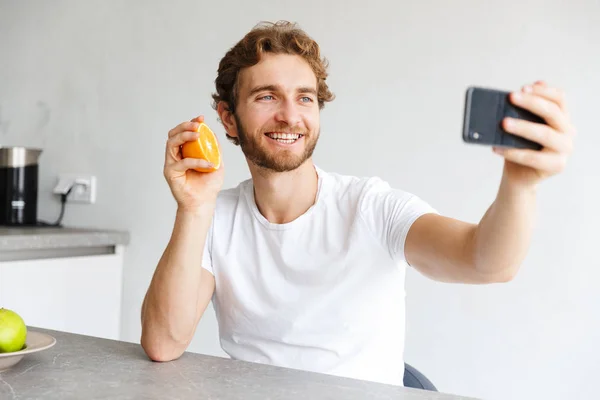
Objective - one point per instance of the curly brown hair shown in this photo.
(281, 37)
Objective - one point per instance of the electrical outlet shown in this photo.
(84, 188)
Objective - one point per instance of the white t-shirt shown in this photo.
(322, 293)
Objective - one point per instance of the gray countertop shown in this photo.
(18, 243)
(44, 238)
(82, 367)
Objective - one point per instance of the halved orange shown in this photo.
(205, 147)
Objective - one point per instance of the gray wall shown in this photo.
(98, 84)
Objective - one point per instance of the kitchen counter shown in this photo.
(83, 367)
(18, 243)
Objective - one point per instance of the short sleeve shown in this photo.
(207, 254)
(389, 213)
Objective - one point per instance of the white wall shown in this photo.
(98, 84)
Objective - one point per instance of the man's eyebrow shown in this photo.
(263, 88)
(275, 88)
(307, 89)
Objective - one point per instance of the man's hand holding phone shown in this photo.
(530, 128)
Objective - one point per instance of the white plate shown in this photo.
(36, 341)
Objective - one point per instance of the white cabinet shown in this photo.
(72, 294)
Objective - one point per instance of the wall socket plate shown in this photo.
(84, 188)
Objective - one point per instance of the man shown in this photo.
(306, 268)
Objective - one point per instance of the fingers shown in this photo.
(182, 133)
(190, 163)
(544, 162)
(549, 93)
(180, 138)
(173, 150)
(541, 106)
(185, 126)
(539, 133)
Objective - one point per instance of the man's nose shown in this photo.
(288, 113)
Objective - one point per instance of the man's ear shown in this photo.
(227, 119)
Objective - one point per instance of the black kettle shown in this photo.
(18, 186)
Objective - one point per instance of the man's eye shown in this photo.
(267, 97)
(307, 99)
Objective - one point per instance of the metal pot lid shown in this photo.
(18, 156)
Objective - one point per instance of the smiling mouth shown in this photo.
(285, 138)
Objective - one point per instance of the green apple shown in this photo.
(13, 331)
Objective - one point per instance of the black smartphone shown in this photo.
(484, 111)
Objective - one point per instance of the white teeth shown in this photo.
(286, 136)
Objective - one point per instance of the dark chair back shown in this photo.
(415, 379)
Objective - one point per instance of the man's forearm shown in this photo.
(170, 310)
(502, 238)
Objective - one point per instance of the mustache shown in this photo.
(284, 128)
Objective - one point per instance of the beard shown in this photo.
(280, 161)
